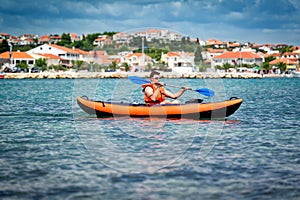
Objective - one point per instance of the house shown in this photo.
(290, 59)
(165, 35)
(74, 37)
(237, 58)
(137, 61)
(290, 55)
(17, 57)
(82, 54)
(54, 39)
(51, 59)
(102, 40)
(44, 39)
(181, 62)
(211, 53)
(121, 38)
(233, 45)
(268, 49)
(216, 43)
(27, 39)
(4, 36)
(98, 57)
(66, 55)
(290, 63)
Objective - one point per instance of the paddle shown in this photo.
(203, 91)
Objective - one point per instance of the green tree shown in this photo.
(22, 65)
(41, 63)
(4, 46)
(77, 64)
(65, 40)
(91, 37)
(265, 65)
(109, 33)
(127, 67)
(269, 58)
(113, 66)
(281, 66)
(226, 66)
(198, 56)
(285, 49)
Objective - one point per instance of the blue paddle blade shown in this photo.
(206, 92)
(138, 80)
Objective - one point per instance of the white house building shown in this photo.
(66, 55)
(237, 58)
(137, 61)
(181, 62)
(17, 57)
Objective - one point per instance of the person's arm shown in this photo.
(177, 94)
(150, 94)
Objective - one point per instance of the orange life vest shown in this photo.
(160, 97)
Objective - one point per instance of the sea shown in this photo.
(51, 149)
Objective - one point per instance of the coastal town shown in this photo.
(117, 54)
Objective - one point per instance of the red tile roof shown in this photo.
(15, 54)
(68, 50)
(170, 54)
(289, 61)
(211, 50)
(213, 42)
(81, 51)
(234, 55)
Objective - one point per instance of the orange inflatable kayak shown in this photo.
(192, 110)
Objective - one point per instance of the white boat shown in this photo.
(295, 74)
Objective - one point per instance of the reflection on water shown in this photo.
(143, 144)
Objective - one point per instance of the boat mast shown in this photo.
(10, 54)
(143, 55)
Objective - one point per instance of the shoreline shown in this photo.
(89, 75)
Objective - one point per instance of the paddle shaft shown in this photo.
(203, 91)
(174, 86)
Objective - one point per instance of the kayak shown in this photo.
(191, 109)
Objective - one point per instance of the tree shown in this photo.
(65, 40)
(91, 37)
(285, 49)
(281, 66)
(127, 67)
(265, 65)
(22, 65)
(113, 66)
(4, 46)
(77, 64)
(198, 56)
(226, 66)
(42, 63)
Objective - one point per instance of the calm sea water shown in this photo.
(49, 148)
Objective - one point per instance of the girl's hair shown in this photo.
(154, 73)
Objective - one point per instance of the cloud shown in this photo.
(235, 19)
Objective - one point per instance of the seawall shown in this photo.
(74, 75)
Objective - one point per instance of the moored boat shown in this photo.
(296, 74)
(194, 110)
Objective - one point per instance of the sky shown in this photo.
(255, 21)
